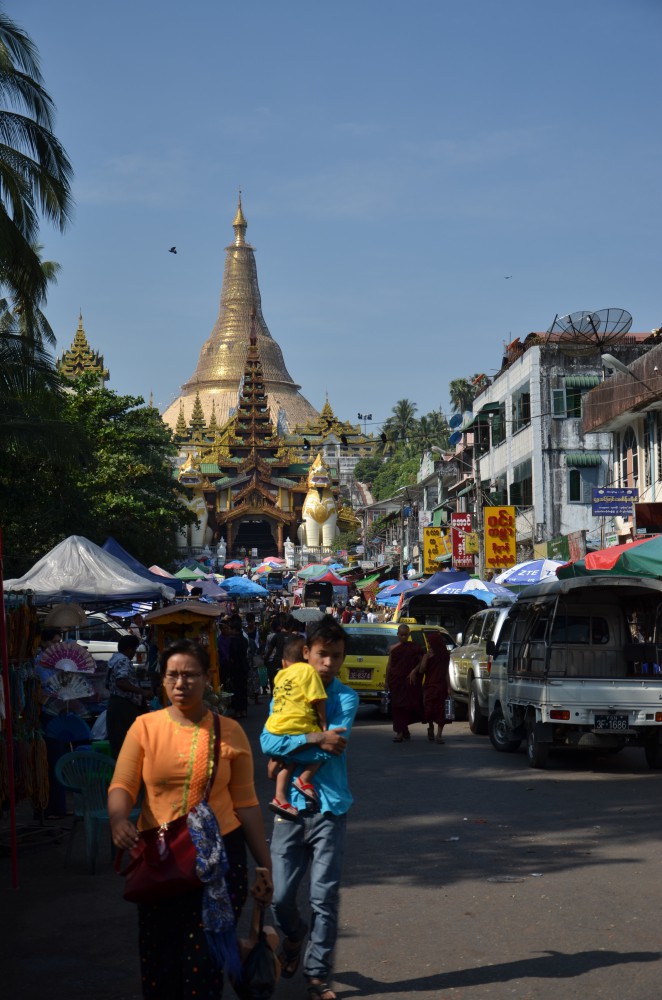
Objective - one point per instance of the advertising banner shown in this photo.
(435, 544)
(461, 526)
(500, 539)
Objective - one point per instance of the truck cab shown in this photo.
(579, 664)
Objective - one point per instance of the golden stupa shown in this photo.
(217, 378)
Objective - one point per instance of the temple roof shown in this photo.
(80, 358)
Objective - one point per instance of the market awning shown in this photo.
(582, 381)
(582, 458)
(366, 581)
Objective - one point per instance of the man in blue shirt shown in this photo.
(315, 838)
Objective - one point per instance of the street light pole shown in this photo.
(365, 417)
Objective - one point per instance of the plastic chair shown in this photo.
(88, 774)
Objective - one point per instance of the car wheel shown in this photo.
(653, 753)
(501, 737)
(536, 752)
(477, 721)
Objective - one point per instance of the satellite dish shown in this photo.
(581, 334)
(455, 420)
(455, 438)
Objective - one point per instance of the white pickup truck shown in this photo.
(579, 664)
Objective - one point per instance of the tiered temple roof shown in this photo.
(326, 428)
(80, 359)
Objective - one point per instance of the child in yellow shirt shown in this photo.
(298, 707)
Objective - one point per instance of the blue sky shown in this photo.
(397, 162)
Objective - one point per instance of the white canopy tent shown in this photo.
(78, 570)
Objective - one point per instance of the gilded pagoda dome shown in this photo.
(217, 378)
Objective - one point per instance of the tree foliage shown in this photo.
(110, 475)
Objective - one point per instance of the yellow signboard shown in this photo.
(436, 545)
(471, 543)
(500, 541)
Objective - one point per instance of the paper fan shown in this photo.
(68, 656)
(68, 686)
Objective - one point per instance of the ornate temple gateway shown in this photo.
(215, 385)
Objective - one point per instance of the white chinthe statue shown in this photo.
(320, 510)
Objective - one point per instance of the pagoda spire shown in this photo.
(181, 430)
(240, 226)
(80, 359)
(197, 421)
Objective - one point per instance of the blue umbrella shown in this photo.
(386, 583)
(484, 590)
(401, 587)
(527, 573)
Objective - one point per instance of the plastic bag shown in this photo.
(258, 972)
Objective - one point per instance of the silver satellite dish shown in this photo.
(581, 334)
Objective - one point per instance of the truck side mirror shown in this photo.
(491, 647)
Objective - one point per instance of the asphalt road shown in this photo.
(468, 875)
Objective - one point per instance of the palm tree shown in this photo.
(403, 421)
(462, 393)
(31, 321)
(35, 172)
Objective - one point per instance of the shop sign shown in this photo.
(435, 545)
(500, 537)
(461, 525)
(614, 501)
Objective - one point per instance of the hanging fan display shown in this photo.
(68, 656)
(68, 686)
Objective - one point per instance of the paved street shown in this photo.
(468, 876)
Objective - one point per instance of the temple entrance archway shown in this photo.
(254, 533)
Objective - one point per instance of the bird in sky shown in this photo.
(506, 276)
(172, 250)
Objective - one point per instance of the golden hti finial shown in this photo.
(239, 225)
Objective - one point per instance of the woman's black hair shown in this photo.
(325, 629)
(127, 642)
(188, 647)
(49, 633)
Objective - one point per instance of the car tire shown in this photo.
(500, 735)
(477, 721)
(536, 752)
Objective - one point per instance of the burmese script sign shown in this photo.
(612, 501)
(500, 540)
(460, 529)
(435, 545)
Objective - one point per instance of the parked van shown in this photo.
(366, 655)
(470, 666)
(579, 664)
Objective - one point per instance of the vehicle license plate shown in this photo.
(612, 722)
(358, 674)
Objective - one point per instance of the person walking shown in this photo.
(315, 839)
(403, 682)
(238, 668)
(185, 940)
(434, 670)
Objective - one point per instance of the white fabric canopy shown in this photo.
(79, 570)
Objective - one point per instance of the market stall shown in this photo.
(188, 620)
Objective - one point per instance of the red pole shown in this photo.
(4, 658)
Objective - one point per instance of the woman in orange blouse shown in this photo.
(170, 754)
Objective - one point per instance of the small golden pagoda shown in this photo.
(216, 380)
(80, 359)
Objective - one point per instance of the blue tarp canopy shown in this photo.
(115, 549)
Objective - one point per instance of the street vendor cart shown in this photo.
(188, 620)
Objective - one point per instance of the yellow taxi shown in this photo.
(366, 654)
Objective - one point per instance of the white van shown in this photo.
(579, 664)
